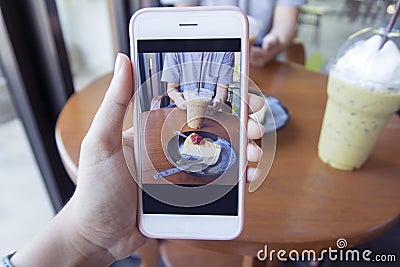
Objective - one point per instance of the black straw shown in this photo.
(201, 70)
(390, 25)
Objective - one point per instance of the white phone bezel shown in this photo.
(212, 22)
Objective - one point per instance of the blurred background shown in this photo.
(87, 29)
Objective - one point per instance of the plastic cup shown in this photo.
(363, 93)
(355, 116)
(197, 102)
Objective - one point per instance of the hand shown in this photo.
(179, 99)
(99, 223)
(106, 196)
(216, 105)
(271, 46)
(105, 201)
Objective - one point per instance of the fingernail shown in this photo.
(118, 64)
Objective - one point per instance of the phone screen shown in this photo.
(188, 105)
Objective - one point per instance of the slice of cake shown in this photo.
(197, 146)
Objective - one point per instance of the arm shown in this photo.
(171, 75)
(284, 29)
(225, 77)
(221, 95)
(98, 225)
(59, 244)
(175, 95)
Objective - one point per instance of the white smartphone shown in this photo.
(190, 113)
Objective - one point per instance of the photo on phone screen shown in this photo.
(189, 104)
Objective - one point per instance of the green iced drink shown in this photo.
(363, 93)
(197, 102)
(354, 118)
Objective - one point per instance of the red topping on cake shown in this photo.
(196, 139)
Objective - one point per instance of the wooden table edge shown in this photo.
(70, 166)
(250, 248)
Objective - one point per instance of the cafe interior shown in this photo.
(56, 61)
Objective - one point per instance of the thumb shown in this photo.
(108, 121)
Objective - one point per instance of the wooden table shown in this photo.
(303, 204)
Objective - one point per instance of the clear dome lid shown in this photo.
(361, 58)
(364, 35)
